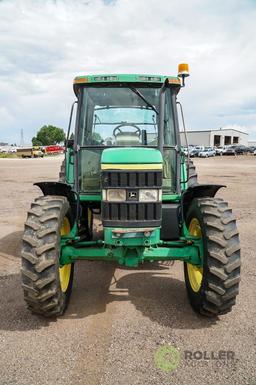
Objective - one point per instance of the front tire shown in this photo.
(47, 285)
(212, 288)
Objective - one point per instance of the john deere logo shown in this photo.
(132, 195)
(167, 358)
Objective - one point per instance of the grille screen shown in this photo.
(127, 211)
(131, 179)
(131, 213)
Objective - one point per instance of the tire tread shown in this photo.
(40, 256)
(222, 252)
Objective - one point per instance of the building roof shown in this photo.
(219, 130)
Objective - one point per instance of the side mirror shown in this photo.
(69, 143)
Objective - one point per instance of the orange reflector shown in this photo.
(183, 70)
(80, 79)
(174, 81)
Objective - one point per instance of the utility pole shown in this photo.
(21, 138)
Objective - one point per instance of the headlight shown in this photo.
(117, 195)
(150, 195)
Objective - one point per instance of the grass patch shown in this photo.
(4, 155)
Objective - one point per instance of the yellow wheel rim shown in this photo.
(195, 274)
(65, 271)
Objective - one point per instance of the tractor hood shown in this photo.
(133, 157)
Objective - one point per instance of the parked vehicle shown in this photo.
(225, 149)
(241, 150)
(230, 150)
(200, 148)
(207, 152)
(12, 150)
(254, 152)
(30, 152)
(219, 150)
(187, 150)
(194, 153)
(37, 152)
(236, 150)
(55, 149)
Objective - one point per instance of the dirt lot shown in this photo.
(118, 318)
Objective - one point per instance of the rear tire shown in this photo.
(221, 261)
(43, 289)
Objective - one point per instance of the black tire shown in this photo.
(221, 265)
(62, 173)
(192, 174)
(40, 256)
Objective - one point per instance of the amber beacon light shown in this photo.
(183, 72)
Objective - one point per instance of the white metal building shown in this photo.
(221, 137)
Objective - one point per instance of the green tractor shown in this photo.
(125, 165)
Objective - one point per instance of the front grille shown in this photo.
(131, 179)
(131, 213)
(127, 211)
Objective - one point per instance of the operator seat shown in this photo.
(127, 139)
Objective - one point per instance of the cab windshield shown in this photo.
(112, 116)
(123, 116)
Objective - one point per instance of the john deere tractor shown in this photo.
(125, 165)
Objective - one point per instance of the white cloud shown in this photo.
(44, 44)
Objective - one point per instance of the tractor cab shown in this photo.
(123, 111)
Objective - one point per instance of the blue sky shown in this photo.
(44, 44)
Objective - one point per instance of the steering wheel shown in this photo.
(118, 128)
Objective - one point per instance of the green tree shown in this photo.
(48, 135)
(36, 142)
(96, 137)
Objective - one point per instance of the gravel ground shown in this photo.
(119, 318)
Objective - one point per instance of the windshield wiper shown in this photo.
(137, 92)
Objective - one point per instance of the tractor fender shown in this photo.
(58, 188)
(198, 191)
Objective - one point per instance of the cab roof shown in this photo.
(124, 78)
